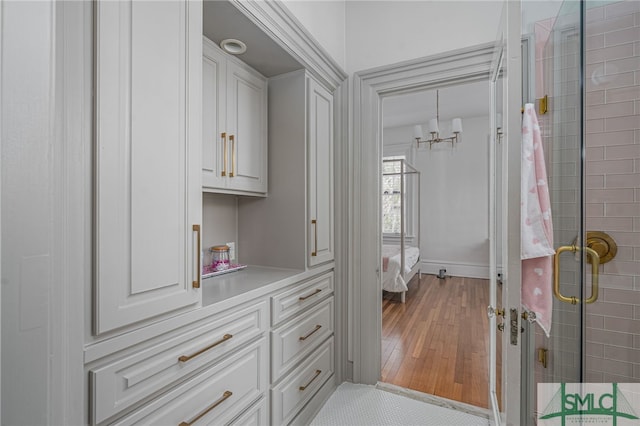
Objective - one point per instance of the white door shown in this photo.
(504, 310)
(215, 144)
(246, 129)
(148, 185)
(320, 174)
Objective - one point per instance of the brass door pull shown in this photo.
(223, 398)
(311, 381)
(224, 154)
(314, 222)
(595, 274)
(232, 140)
(301, 298)
(185, 358)
(318, 327)
(196, 282)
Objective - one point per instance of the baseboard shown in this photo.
(309, 412)
(455, 269)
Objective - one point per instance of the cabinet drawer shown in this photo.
(292, 301)
(290, 395)
(258, 414)
(122, 383)
(215, 396)
(298, 337)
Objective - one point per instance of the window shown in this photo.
(391, 209)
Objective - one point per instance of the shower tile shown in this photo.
(595, 98)
(622, 94)
(621, 282)
(631, 180)
(595, 350)
(624, 253)
(623, 151)
(611, 223)
(622, 268)
(636, 342)
(622, 65)
(595, 182)
(595, 321)
(594, 376)
(627, 35)
(630, 122)
(636, 45)
(616, 378)
(621, 8)
(610, 195)
(611, 138)
(600, 81)
(622, 209)
(595, 14)
(626, 238)
(610, 109)
(610, 337)
(595, 42)
(595, 153)
(594, 210)
(622, 354)
(595, 126)
(608, 25)
(622, 296)
(616, 310)
(622, 325)
(636, 253)
(636, 312)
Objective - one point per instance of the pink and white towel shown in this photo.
(536, 226)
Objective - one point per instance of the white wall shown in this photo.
(386, 32)
(326, 21)
(219, 220)
(454, 208)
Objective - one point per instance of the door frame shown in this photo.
(465, 65)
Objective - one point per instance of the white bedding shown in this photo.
(392, 279)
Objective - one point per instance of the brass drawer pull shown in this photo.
(318, 327)
(314, 222)
(232, 140)
(196, 282)
(185, 358)
(301, 298)
(315, 376)
(224, 154)
(224, 397)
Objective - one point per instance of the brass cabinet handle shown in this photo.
(232, 140)
(223, 398)
(595, 274)
(318, 327)
(314, 222)
(224, 154)
(196, 282)
(318, 290)
(315, 376)
(185, 358)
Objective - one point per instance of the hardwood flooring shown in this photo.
(437, 341)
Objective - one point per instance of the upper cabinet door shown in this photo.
(148, 173)
(215, 143)
(246, 129)
(320, 168)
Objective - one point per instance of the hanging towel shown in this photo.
(536, 225)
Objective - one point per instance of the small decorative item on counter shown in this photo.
(219, 258)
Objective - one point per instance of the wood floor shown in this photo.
(437, 341)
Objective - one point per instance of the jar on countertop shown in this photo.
(219, 257)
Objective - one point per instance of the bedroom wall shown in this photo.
(454, 210)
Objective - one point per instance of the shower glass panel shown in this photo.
(587, 63)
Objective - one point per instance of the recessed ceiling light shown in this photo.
(233, 46)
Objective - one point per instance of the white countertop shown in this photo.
(250, 282)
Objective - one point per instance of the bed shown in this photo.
(400, 262)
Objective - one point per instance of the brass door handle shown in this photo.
(595, 274)
(311, 381)
(185, 358)
(314, 222)
(224, 397)
(196, 281)
(224, 154)
(232, 140)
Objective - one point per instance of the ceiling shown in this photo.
(464, 101)
(222, 20)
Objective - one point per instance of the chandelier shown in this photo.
(434, 131)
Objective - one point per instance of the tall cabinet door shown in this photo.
(247, 129)
(320, 170)
(148, 173)
(215, 143)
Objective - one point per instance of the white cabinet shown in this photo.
(320, 173)
(234, 152)
(148, 202)
(299, 212)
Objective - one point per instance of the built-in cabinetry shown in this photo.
(234, 123)
(299, 210)
(148, 204)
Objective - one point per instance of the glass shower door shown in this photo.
(583, 67)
